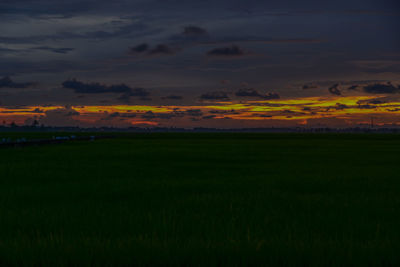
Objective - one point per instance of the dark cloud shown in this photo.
(72, 112)
(133, 29)
(140, 48)
(114, 115)
(287, 111)
(334, 89)
(371, 102)
(232, 51)
(127, 115)
(66, 112)
(310, 86)
(158, 50)
(340, 106)
(60, 116)
(261, 40)
(353, 87)
(173, 97)
(119, 115)
(38, 110)
(149, 115)
(250, 92)
(194, 112)
(230, 112)
(209, 117)
(61, 50)
(377, 88)
(135, 92)
(271, 96)
(161, 49)
(214, 96)
(194, 30)
(366, 106)
(376, 102)
(141, 92)
(95, 88)
(265, 116)
(189, 35)
(7, 82)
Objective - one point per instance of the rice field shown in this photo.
(203, 200)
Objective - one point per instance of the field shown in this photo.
(203, 199)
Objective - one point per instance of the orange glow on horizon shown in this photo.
(300, 109)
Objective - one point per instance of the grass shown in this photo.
(203, 199)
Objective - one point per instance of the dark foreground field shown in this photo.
(203, 199)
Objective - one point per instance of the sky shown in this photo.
(182, 63)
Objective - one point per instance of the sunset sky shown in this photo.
(180, 63)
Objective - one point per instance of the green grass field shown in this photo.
(203, 199)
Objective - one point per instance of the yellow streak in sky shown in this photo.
(281, 109)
